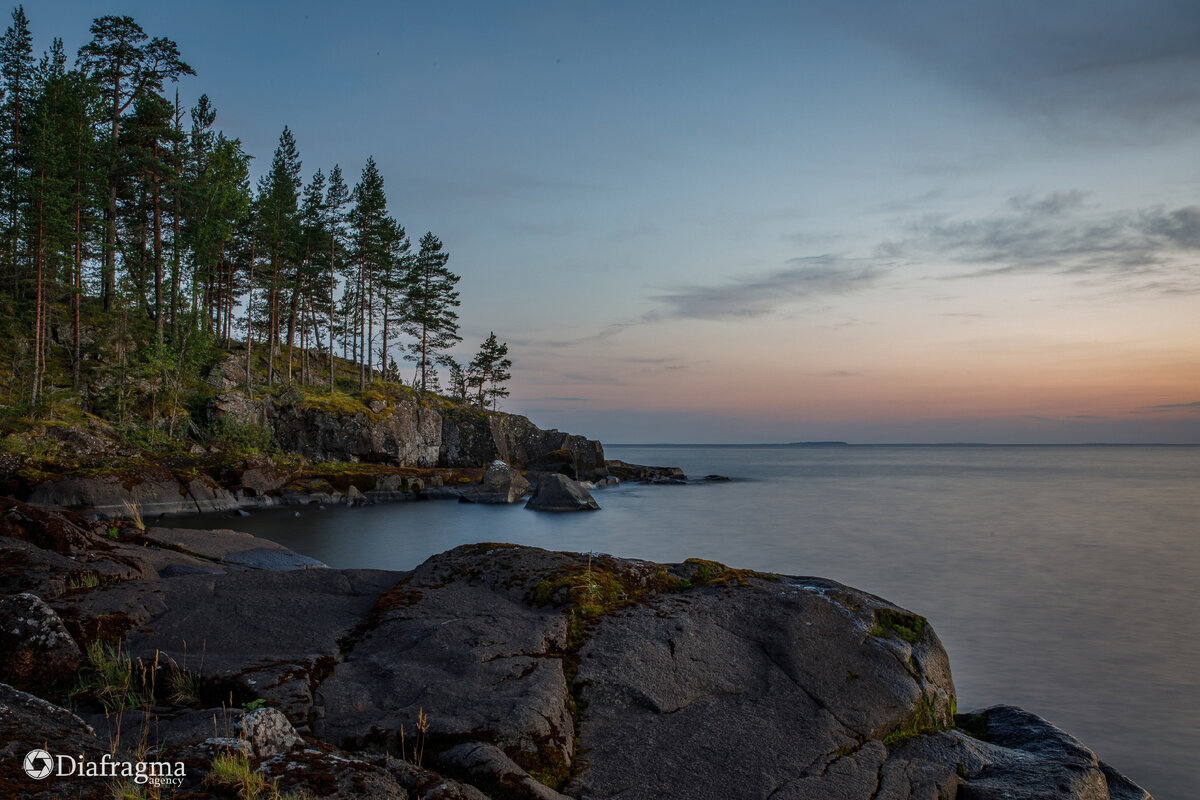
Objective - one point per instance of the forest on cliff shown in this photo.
(136, 252)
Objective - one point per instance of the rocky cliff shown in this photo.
(407, 432)
(396, 433)
(497, 671)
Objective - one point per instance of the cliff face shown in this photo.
(405, 433)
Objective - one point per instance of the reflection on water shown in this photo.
(1060, 579)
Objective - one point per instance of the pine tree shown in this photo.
(370, 233)
(279, 197)
(17, 72)
(119, 59)
(336, 197)
(306, 282)
(489, 370)
(431, 299)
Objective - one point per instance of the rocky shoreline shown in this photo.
(488, 671)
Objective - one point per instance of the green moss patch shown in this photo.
(909, 627)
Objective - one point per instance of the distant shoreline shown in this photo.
(817, 445)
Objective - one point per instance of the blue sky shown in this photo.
(872, 221)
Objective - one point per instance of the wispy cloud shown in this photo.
(758, 295)
(1172, 407)
(1077, 71)
(1060, 233)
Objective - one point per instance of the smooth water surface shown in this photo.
(1060, 579)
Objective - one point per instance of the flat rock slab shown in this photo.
(264, 632)
(230, 547)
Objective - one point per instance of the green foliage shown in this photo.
(232, 770)
(184, 686)
(241, 438)
(255, 704)
(110, 677)
(87, 580)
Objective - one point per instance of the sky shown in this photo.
(874, 222)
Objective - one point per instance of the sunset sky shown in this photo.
(719, 222)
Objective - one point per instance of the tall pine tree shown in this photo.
(431, 298)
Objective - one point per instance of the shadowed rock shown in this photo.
(556, 492)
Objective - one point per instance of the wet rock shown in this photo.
(557, 492)
(36, 651)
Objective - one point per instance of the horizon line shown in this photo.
(831, 444)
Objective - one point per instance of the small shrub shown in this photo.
(108, 677)
(247, 438)
(88, 580)
(185, 687)
(232, 770)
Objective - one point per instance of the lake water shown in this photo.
(1060, 579)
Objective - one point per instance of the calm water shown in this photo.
(1061, 579)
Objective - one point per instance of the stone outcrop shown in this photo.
(497, 671)
(401, 433)
(557, 492)
(471, 437)
(500, 484)
(638, 472)
(36, 652)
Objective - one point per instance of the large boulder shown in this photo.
(557, 492)
(459, 644)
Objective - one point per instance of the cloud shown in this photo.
(756, 296)
(606, 380)
(836, 373)
(1172, 407)
(1059, 233)
(1076, 70)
